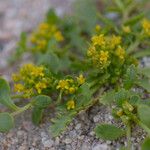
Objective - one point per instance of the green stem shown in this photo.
(21, 109)
(59, 97)
(16, 96)
(134, 46)
(129, 136)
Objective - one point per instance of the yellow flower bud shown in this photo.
(70, 104)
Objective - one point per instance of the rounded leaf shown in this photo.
(6, 122)
(108, 132)
(42, 101)
(144, 113)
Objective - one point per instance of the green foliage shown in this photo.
(144, 83)
(108, 97)
(108, 132)
(64, 117)
(146, 144)
(72, 73)
(140, 54)
(40, 103)
(131, 77)
(37, 114)
(5, 97)
(88, 19)
(121, 96)
(21, 48)
(60, 122)
(143, 113)
(6, 122)
(145, 71)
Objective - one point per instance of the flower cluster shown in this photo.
(103, 48)
(45, 32)
(146, 26)
(31, 80)
(70, 85)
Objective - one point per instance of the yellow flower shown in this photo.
(72, 90)
(126, 29)
(120, 112)
(18, 87)
(41, 44)
(40, 86)
(15, 77)
(33, 78)
(103, 57)
(80, 79)
(58, 36)
(26, 69)
(53, 28)
(70, 104)
(115, 40)
(97, 28)
(128, 106)
(146, 26)
(38, 71)
(120, 52)
(43, 26)
(33, 38)
(98, 40)
(91, 51)
(63, 84)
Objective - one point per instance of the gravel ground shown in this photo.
(79, 134)
(17, 16)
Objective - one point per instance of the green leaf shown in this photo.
(61, 122)
(146, 144)
(51, 60)
(144, 83)
(21, 48)
(120, 4)
(130, 77)
(108, 97)
(64, 117)
(108, 132)
(6, 122)
(85, 95)
(134, 100)
(140, 54)
(145, 71)
(42, 101)
(37, 114)
(144, 114)
(88, 14)
(5, 98)
(135, 19)
(121, 96)
(51, 17)
(105, 20)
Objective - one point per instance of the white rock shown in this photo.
(100, 147)
(96, 118)
(57, 141)
(92, 133)
(67, 141)
(48, 143)
(78, 126)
